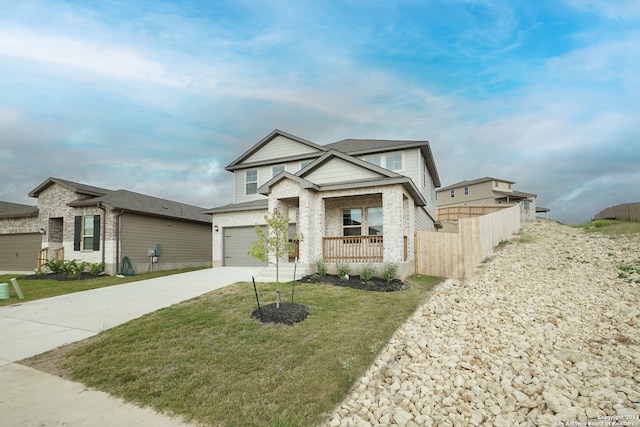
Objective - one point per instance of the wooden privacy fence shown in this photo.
(456, 255)
(454, 213)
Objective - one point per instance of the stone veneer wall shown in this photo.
(231, 219)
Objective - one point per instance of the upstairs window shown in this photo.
(453, 193)
(394, 162)
(466, 191)
(376, 160)
(251, 182)
(276, 170)
(389, 161)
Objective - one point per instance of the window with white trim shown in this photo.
(276, 170)
(466, 190)
(374, 221)
(394, 161)
(352, 222)
(376, 160)
(453, 193)
(251, 182)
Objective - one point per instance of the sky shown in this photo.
(159, 96)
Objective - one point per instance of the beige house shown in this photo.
(354, 201)
(487, 191)
(86, 223)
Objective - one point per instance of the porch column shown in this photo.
(393, 222)
(311, 225)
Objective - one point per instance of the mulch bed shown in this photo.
(376, 284)
(288, 313)
(59, 276)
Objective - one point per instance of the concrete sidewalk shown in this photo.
(32, 398)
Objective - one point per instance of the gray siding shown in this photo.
(278, 148)
(338, 170)
(183, 244)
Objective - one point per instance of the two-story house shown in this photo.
(487, 191)
(353, 201)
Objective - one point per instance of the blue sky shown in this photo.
(159, 96)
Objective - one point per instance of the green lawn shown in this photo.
(46, 288)
(207, 360)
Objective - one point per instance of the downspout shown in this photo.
(117, 242)
(104, 231)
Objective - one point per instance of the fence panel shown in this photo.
(456, 255)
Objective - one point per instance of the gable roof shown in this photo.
(127, 201)
(16, 210)
(358, 147)
(385, 177)
(132, 202)
(473, 182)
(332, 154)
(264, 141)
(76, 187)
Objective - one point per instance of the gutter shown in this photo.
(104, 231)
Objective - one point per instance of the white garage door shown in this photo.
(19, 252)
(237, 242)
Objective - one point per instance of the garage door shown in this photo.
(237, 242)
(19, 252)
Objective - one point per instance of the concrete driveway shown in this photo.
(32, 398)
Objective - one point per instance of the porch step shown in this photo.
(285, 273)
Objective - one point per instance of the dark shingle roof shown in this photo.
(128, 201)
(16, 210)
(141, 203)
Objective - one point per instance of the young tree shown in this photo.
(274, 240)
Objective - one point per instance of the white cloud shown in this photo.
(85, 55)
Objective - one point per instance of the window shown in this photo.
(304, 164)
(374, 221)
(510, 186)
(496, 184)
(352, 222)
(376, 160)
(466, 191)
(86, 233)
(276, 170)
(389, 161)
(453, 193)
(394, 162)
(251, 182)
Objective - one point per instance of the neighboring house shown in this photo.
(354, 201)
(487, 191)
(86, 223)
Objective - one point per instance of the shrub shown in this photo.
(367, 272)
(343, 270)
(55, 265)
(389, 271)
(321, 268)
(73, 269)
(96, 268)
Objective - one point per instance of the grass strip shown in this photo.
(208, 361)
(35, 289)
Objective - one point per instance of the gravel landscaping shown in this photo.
(546, 333)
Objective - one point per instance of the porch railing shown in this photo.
(352, 249)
